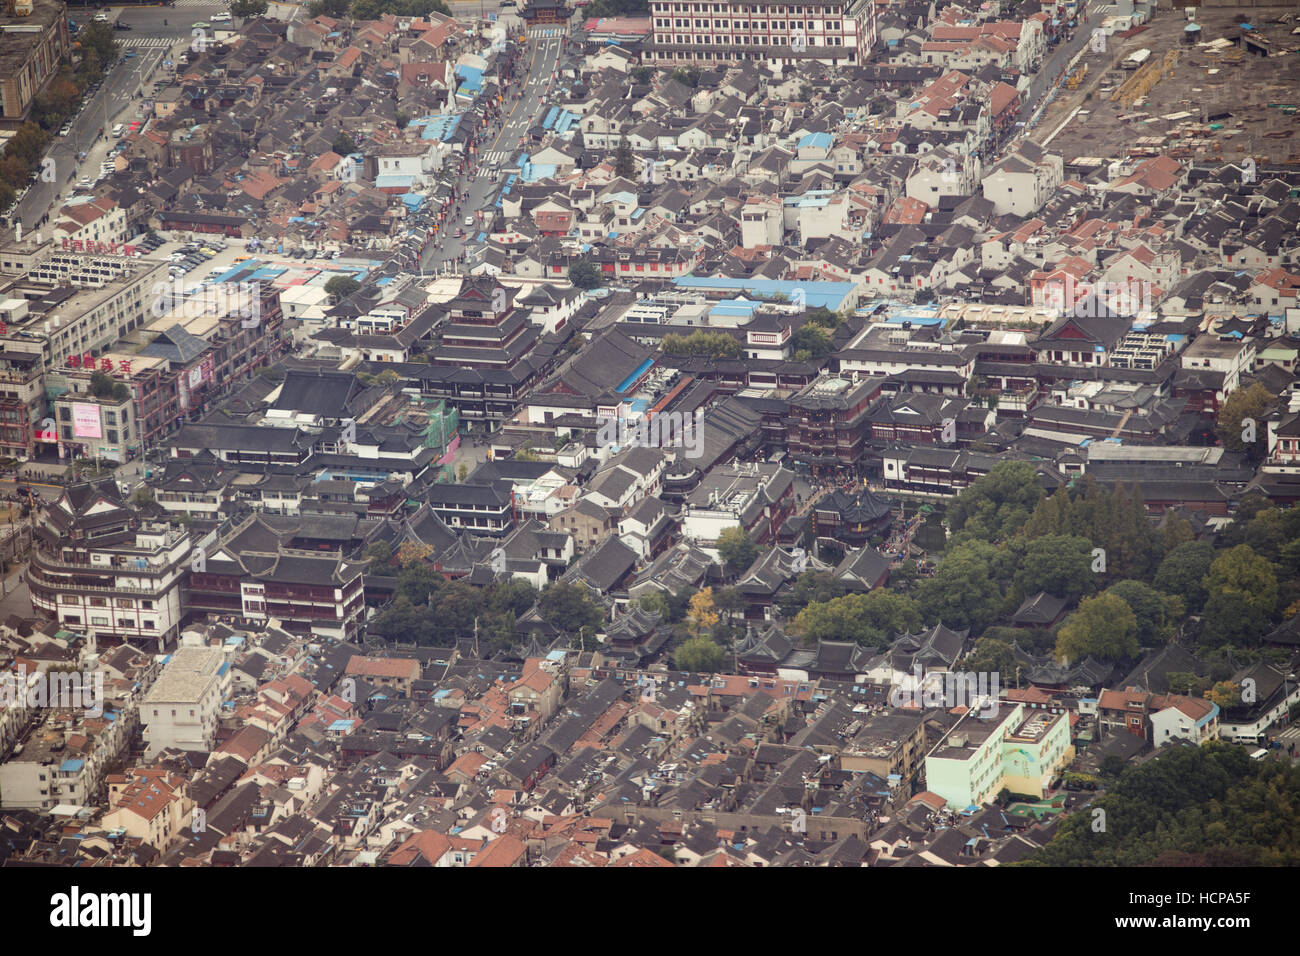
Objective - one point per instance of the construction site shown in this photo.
(1219, 85)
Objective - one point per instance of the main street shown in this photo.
(1049, 74)
(148, 42)
(484, 184)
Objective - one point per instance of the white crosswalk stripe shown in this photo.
(540, 32)
(147, 43)
(210, 4)
(496, 156)
(1291, 733)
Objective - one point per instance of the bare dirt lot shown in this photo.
(1184, 90)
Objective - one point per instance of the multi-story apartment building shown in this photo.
(182, 706)
(100, 569)
(1012, 748)
(64, 757)
(61, 315)
(94, 427)
(829, 31)
(34, 39)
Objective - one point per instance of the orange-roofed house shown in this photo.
(426, 848)
(154, 809)
(1153, 178)
(505, 850)
(395, 673)
(642, 857)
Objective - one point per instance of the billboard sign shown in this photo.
(85, 420)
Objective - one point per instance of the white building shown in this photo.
(1023, 181)
(182, 706)
(829, 31)
(99, 569)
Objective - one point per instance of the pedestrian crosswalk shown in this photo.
(496, 156)
(148, 43)
(210, 4)
(546, 32)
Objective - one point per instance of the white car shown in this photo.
(221, 18)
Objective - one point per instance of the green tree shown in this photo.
(1058, 564)
(699, 655)
(1190, 806)
(418, 582)
(997, 505)
(1183, 572)
(868, 619)
(97, 38)
(329, 8)
(993, 657)
(401, 118)
(567, 607)
(1186, 682)
(811, 343)
(514, 597)
(246, 9)
(624, 161)
(619, 8)
(586, 275)
(809, 587)
(343, 144)
(736, 549)
(101, 385)
(1242, 589)
(381, 552)
(1241, 424)
(403, 621)
(963, 591)
(1103, 627)
(1157, 614)
(711, 344)
(340, 287)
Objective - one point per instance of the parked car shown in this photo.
(221, 18)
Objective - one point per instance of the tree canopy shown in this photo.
(1191, 806)
(871, 618)
(1103, 627)
(997, 505)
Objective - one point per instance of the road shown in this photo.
(542, 54)
(149, 40)
(1049, 74)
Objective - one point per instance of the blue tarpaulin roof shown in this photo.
(441, 128)
(631, 379)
